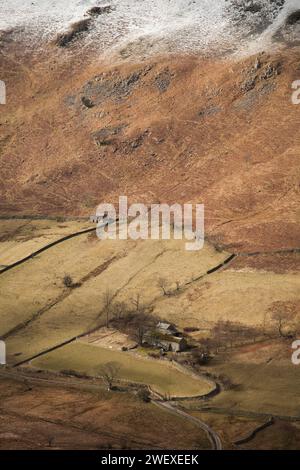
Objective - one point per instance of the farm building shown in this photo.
(166, 328)
(173, 344)
(165, 336)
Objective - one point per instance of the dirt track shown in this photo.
(213, 436)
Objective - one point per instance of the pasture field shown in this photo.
(33, 297)
(160, 375)
(263, 377)
(230, 295)
(21, 237)
(272, 388)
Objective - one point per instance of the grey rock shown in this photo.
(104, 135)
(163, 80)
(209, 111)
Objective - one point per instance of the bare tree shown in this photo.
(154, 336)
(27, 385)
(107, 302)
(218, 335)
(282, 313)
(51, 441)
(229, 334)
(140, 307)
(264, 325)
(135, 322)
(141, 329)
(201, 356)
(136, 301)
(142, 323)
(162, 284)
(118, 309)
(109, 373)
(227, 382)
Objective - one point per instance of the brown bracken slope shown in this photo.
(77, 131)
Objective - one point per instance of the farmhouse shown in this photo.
(165, 336)
(172, 343)
(167, 329)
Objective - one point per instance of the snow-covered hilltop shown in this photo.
(158, 25)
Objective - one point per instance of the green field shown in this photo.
(161, 376)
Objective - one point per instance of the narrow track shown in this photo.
(212, 435)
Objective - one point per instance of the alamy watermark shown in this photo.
(2, 353)
(296, 353)
(296, 93)
(157, 222)
(2, 92)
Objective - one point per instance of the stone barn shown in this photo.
(165, 336)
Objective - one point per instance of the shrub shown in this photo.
(227, 382)
(96, 11)
(63, 39)
(201, 357)
(68, 281)
(74, 373)
(144, 395)
(190, 329)
(80, 26)
(87, 102)
(154, 355)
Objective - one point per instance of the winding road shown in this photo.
(212, 435)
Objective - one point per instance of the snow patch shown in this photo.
(157, 25)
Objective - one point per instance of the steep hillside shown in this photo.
(103, 100)
(77, 131)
